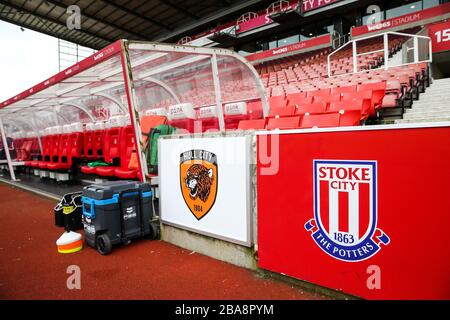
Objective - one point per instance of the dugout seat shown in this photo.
(182, 116)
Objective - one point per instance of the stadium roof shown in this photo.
(105, 21)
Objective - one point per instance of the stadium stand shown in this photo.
(316, 88)
(300, 85)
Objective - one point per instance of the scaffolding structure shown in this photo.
(71, 53)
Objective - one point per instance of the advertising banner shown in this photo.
(205, 186)
(440, 36)
(299, 46)
(263, 18)
(405, 20)
(362, 211)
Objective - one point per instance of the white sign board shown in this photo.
(205, 186)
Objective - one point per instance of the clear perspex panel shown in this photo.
(85, 101)
(191, 89)
(179, 82)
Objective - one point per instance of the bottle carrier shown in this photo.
(68, 212)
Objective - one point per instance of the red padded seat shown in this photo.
(182, 116)
(127, 147)
(313, 108)
(350, 118)
(88, 170)
(321, 120)
(112, 151)
(282, 111)
(124, 173)
(105, 171)
(235, 113)
(283, 123)
(255, 124)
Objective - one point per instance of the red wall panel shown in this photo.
(440, 36)
(413, 212)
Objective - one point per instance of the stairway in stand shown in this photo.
(433, 105)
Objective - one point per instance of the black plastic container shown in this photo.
(116, 212)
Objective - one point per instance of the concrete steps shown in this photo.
(433, 105)
(431, 119)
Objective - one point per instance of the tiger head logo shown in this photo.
(198, 181)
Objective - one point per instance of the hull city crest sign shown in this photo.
(346, 209)
(198, 181)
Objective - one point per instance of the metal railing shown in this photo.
(184, 40)
(339, 41)
(414, 50)
(246, 17)
(278, 6)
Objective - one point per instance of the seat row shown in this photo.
(306, 121)
(61, 149)
(185, 118)
(25, 146)
(116, 150)
(368, 96)
(66, 148)
(308, 67)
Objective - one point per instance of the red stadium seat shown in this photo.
(23, 149)
(182, 116)
(277, 101)
(110, 149)
(321, 120)
(88, 170)
(321, 92)
(255, 124)
(313, 108)
(350, 118)
(393, 86)
(53, 149)
(346, 89)
(112, 152)
(350, 105)
(282, 111)
(235, 113)
(323, 99)
(89, 138)
(294, 96)
(255, 110)
(298, 100)
(185, 124)
(209, 119)
(99, 136)
(283, 123)
(210, 124)
(335, 97)
(63, 154)
(390, 101)
(71, 148)
(126, 149)
(45, 156)
(366, 97)
(378, 91)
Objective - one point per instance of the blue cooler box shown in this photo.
(116, 212)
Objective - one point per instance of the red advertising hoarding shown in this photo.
(319, 41)
(263, 18)
(404, 20)
(440, 36)
(363, 211)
